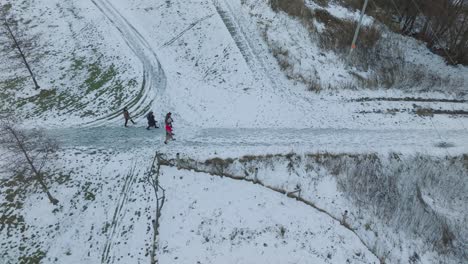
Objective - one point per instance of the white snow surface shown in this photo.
(211, 64)
(208, 63)
(210, 220)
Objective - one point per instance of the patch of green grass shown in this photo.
(6, 7)
(88, 192)
(89, 196)
(97, 77)
(33, 258)
(11, 221)
(105, 228)
(44, 101)
(367, 226)
(62, 178)
(87, 113)
(424, 112)
(98, 90)
(9, 87)
(78, 64)
(10, 209)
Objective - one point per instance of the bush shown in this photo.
(287, 65)
(294, 8)
(382, 58)
(403, 192)
(339, 34)
(352, 4)
(388, 69)
(325, 17)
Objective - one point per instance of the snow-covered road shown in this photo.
(232, 142)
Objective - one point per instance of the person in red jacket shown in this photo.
(169, 134)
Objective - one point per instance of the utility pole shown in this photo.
(353, 44)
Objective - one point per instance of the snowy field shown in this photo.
(107, 208)
(213, 220)
(211, 63)
(212, 68)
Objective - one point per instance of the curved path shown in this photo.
(153, 74)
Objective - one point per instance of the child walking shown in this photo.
(168, 121)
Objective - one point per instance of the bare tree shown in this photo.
(442, 24)
(27, 153)
(18, 42)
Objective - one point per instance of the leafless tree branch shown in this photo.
(28, 152)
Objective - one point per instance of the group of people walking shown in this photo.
(153, 123)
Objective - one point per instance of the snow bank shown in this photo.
(209, 219)
(393, 201)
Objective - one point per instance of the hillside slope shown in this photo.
(286, 150)
(213, 68)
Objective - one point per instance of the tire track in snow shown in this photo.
(153, 73)
(253, 50)
(193, 24)
(119, 214)
(249, 45)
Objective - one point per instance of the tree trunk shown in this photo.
(36, 85)
(458, 33)
(37, 174)
(425, 27)
(46, 190)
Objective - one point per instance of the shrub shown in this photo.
(339, 34)
(352, 4)
(325, 17)
(382, 58)
(399, 190)
(294, 8)
(314, 85)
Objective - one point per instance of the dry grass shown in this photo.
(338, 33)
(389, 186)
(378, 9)
(352, 4)
(314, 86)
(294, 8)
(282, 57)
(383, 58)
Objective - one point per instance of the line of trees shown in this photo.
(442, 24)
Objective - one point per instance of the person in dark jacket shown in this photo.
(151, 121)
(126, 115)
